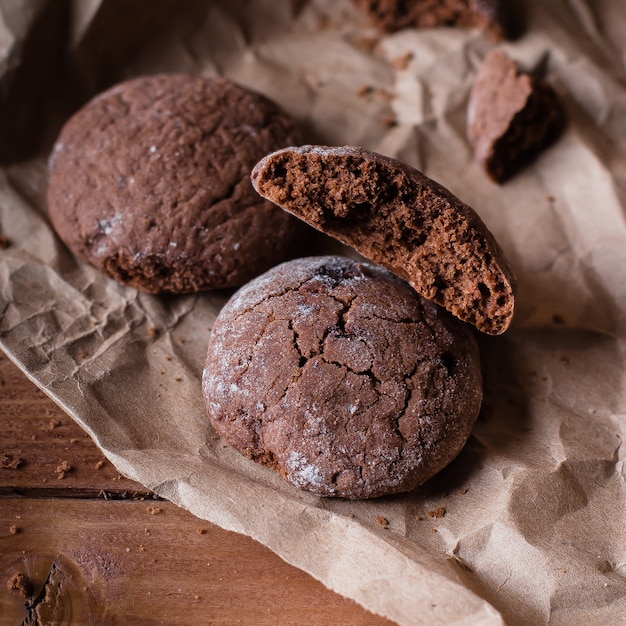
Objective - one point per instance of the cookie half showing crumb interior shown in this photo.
(340, 377)
(399, 218)
(511, 116)
(149, 183)
(492, 16)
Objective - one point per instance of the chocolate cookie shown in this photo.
(489, 15)
(398, 218)
(511, 117)
(149, 182)
(340, 377)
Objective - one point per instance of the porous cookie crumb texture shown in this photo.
(492, 16)
(149, 182)
(340, 377)
(512, 116)
(400, 219)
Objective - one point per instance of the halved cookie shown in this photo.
(399, 218)
(511, 116)
(492, 16)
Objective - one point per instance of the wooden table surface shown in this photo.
(81, 544)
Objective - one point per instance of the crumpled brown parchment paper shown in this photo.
(528, 525)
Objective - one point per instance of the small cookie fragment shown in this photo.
(399, 218)
(10, 461)
(511, 117)
(438, 513)
(21, 583)
(149, 183)
(340, 377)
(491, 16)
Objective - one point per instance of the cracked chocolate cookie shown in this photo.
(149, 182)
(399, 218)
(489, 15)
(511, 117)
(340, 377)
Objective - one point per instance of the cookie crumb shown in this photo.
(178, 379)
(196, 597)
(437, 513)
(464, 491)
(389, 120)
(53, 423)
(419, 518)
(382, 521)
(402, 62)
(154, 510)
(367, 44)
(168, 357)
(322, 21)
(201, 531)
(152, 331)
(19, 582)
(99, 465)
(364, 90)
(13, 529)
(10, 461)
(63, 467)
(384, 94)
(141, 548)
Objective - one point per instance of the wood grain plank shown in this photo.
(39, 439)
(129, 562)
(120, 560)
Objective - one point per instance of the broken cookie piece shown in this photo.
(491, 16)
(340, 377)
(399, 218)
(511, 117)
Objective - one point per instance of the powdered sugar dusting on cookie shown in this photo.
(303, 472)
